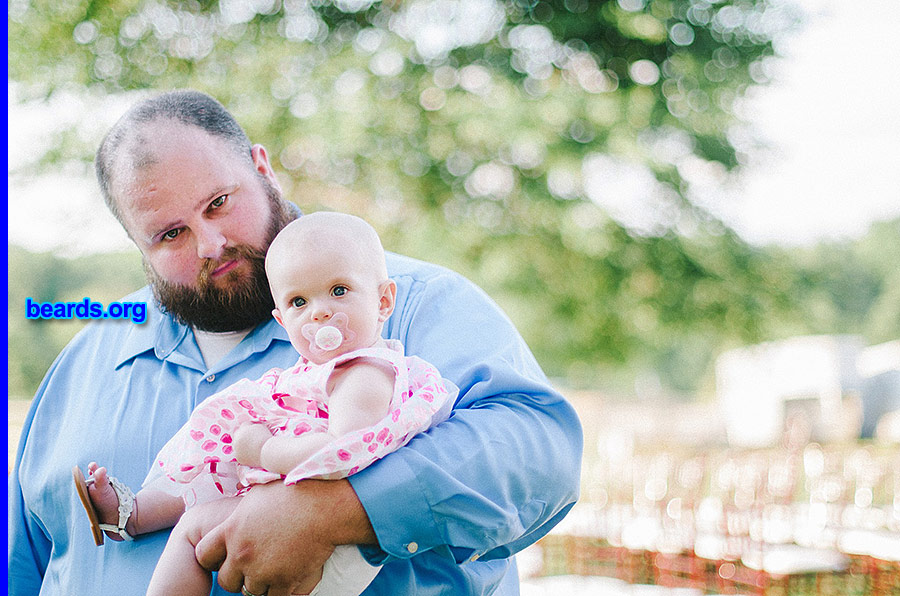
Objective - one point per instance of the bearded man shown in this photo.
(444, 515)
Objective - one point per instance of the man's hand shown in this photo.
(278, 538)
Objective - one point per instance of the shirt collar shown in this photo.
(163, 335)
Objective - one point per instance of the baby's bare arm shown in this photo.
(283, 453)
(359, 395)
(249, 440)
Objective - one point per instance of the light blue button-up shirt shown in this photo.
(449, 509)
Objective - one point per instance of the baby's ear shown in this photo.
(388, 298)
(277, 314)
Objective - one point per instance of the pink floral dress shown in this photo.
(197, 463)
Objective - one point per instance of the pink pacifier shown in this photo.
(330, 336)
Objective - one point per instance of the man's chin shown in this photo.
(219, 316)
(235, 300)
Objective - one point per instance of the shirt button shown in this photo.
(412, 547)
(210, 378)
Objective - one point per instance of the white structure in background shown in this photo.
(813, 380)
(880, 368)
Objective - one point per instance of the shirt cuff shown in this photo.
(396, 506)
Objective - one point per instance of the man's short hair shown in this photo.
(185, 106)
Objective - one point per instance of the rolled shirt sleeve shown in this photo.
(504, 468)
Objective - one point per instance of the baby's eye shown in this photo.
(339, 291)
(298, 302)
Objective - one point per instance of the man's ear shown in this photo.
(262, 165)
(277, 314)
(388, 298)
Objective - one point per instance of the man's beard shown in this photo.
(242, 305)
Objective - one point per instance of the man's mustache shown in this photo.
(231, 253)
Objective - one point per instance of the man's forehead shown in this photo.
(138, 153)
(148, 139)
(152, 143)
(137, 176)
(141, 148)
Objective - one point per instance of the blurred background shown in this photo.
(689, 208)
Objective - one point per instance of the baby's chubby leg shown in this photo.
(178, 571)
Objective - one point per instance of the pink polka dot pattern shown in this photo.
(198, 462)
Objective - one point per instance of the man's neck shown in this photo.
(216, 345)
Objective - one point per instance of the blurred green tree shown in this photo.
(547, 149)
(852, 287)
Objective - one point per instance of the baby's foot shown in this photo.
(105, 499)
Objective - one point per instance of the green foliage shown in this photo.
(363, 87)
(481, 153)
(853, 288)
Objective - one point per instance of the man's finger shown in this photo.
(249, 587)
(231, 578)
(211, 553)
(309, 583)
(211, 550)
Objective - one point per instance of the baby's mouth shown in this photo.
(329, 336)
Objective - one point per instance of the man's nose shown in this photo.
(210, 242)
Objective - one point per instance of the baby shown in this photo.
(351, 399)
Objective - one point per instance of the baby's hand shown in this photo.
(248, 442)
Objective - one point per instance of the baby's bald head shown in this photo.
(325, 268)
(323, 232)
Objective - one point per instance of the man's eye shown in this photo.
(298, 302)
(171, 234)
(339, 291)
(218, 202)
